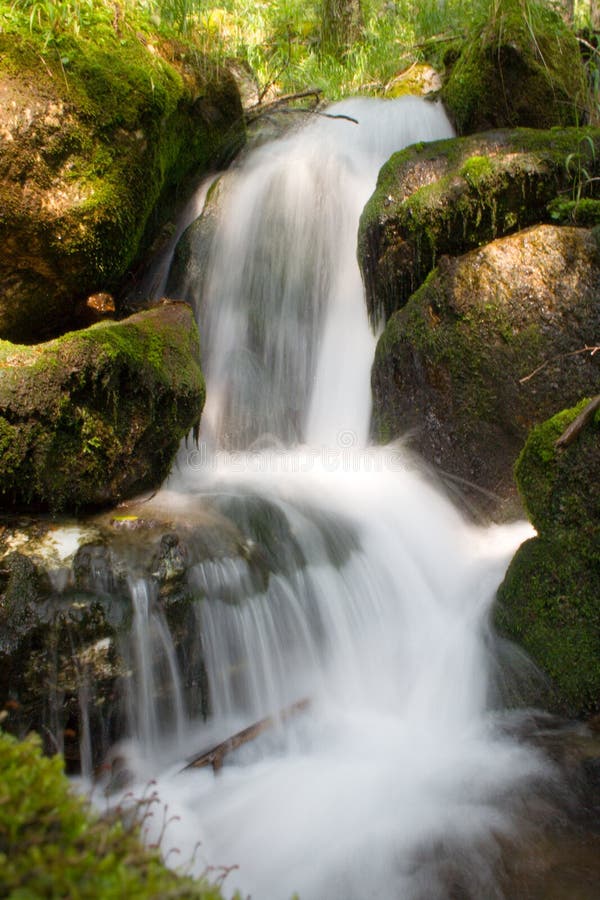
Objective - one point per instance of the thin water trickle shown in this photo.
(155, 698)
(367, 592)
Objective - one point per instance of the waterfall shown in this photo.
(155, 697)
(360, 587)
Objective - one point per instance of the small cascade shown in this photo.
(155, 701)
(282, 302)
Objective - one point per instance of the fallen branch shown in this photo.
(260, 109)
(215, 755)
(590, 350)
(578, 423)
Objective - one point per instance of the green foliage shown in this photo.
(52, 845)
(282, 41)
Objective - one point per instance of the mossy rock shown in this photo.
(549, 601)
(97, 415)
(450, 196)
(419, 79)
(560, 486)
(451, 368)
(521, 66)
(98, 137)
(52, 844)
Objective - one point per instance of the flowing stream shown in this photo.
(364, 590)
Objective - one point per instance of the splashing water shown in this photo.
(372, 593)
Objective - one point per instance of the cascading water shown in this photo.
(361, 588)
(155, 694)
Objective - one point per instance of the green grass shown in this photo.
(280, 41)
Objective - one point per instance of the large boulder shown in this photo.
(450, 196)
(485, 349)
(96, 140)
(549, 601)
(97, 415)
(520, 66)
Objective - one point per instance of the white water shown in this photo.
(155, 696)
(396, 783)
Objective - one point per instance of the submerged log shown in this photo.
(215, 755)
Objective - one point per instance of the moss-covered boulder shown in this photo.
(97, 415)
(98, 131)
(485, 349)
(447, 197)
(520, 66)
(549, 601)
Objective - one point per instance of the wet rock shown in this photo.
(189, 268)
(486, 349)
(20, 595)
(67, 615)
(97, 415)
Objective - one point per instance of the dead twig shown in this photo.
(591, 350)
(260, 109)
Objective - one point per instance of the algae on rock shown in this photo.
(97, 415)
(549, 601)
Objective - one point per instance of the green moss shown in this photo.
(138, 116)
(476, 169)
(519, 66)
(452, 196)
(98, 414)
(550, 599)
(549, 603)
(558, 486)
(584, 212)
(53, 845)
